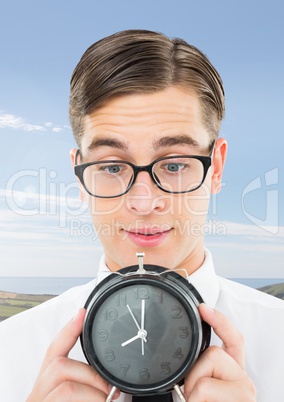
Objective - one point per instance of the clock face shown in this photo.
(143, 336)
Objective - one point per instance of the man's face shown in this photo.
(140, 129)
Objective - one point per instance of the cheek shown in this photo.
(196, 203)
(105, 208)
(107, 217)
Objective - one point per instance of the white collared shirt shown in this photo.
(24, 338)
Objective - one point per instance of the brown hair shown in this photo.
(140, 61)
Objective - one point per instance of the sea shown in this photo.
(58, 285)
(40, 285)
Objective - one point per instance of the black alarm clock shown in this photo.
(142, 331)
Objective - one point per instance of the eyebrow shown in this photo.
(162, 142)
(107, 142)
(169, 141)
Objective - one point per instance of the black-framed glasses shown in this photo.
(172, 174)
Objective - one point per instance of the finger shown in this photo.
(73, 392)
(233, 341)
(212, 390)
(65, 340)
(62, 370)
(213, 363)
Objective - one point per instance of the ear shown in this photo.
(81, 188)
(218, 163)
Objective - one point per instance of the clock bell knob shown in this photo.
(140, 257)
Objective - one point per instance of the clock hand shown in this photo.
(134, 319)
(141, 331)
(130, 340)
(142, 313)
(141, 334)
(142, 323)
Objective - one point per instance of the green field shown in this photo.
(14, 303)
(274, 290)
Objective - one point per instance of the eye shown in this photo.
(174, 167)
(111, 169)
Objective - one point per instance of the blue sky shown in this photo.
(44, 229)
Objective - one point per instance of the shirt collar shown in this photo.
(204, 279)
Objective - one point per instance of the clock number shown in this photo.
(109, 355)
(121, 299)
(165, 368)
(177, 312)
(141, 293)
(110, 314)
(144, 375)
(125, 368)
(184, 332)
(160, 296)
(178, 354)
(102, 334)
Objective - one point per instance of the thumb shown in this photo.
(65, 340)
(233, 341)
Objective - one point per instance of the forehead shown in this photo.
(147, 117)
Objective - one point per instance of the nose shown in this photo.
(145, 197)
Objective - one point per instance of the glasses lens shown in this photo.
(108, 179)
(179, 174)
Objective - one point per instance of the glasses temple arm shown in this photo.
(76, 157)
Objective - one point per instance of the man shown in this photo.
(139, 99)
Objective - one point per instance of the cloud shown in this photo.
(63, 232)
(246, 246)
(19, 123)
(45, 244)
(50, 125)
(254, 232)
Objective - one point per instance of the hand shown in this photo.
(219, 374)
(143, 324)
(141, 331)
(62, 379)
(134, 319)
(138, 336)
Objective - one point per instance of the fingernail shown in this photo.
(206, 307)
(77, 315)
(116, 393)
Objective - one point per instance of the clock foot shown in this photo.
(180, 394)
(110, 395)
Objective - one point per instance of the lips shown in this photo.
(148, 237)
